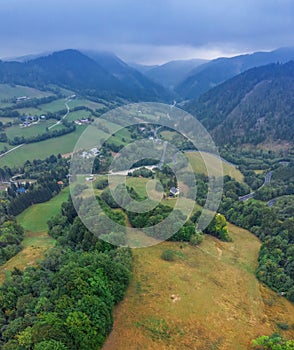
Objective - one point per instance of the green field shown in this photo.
(210, 162)
(9, 91)
(33, 130)
(167, 135)
(6, 120)
(59, 145)
(41, 150)
(34, 219)
(36, 240)
(122, 137)
(30, 111)
(82, 102)
(72, 116)
(54, 106)
(3, 145)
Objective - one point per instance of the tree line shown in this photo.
(67, 301)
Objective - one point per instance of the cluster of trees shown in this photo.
(282, 183)
(251, 158)
(122, 196)
(273, 342)
(284, 207)
(218, 228)
(142, 172)
(11, 235)
(47, 172)
(276, 263)
(67, 301)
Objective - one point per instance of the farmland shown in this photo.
(14, 91)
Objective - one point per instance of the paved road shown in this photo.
(267, 180)
(271, 202)
(125, 172)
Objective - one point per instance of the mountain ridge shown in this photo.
(221, 69)
(74, 70)
(254, 107)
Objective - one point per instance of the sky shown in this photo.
(147, 32)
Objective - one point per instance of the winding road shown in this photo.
(267, 180)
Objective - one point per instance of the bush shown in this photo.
(101, 184)
(282, 325)
(197, 238)
(168, 255)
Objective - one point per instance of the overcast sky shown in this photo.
(149, 31)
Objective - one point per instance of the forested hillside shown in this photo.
(73, 70)
(254, 107)
(67, 301)
(217, 71)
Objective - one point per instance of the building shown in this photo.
(20, 190)
(174, 191)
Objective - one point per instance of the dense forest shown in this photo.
(49, 175)
(275, 262)
(251, 108)
(67, 301)
(44, 177)
(76, 71)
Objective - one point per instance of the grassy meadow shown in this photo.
(14, 91)
(201, 162)
(208, 298)
(36, 241)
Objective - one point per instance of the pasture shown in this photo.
(207, 298)
(36, 241)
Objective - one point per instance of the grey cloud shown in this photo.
(243, 25)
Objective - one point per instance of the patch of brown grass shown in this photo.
(35, 245)
(220, 304)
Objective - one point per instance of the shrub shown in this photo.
(197, 238)
(168, 255)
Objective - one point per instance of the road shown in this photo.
(11, 150)
(160, 164)
(126, 172)
(66, 114)
(50, 127)
(267, 180)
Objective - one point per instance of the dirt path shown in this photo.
(11, 150)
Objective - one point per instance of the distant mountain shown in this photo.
(74, 70)
(26, 58)
(219, 70)
(131, 78)
(254, 107)
(172, 73)
(142, 68)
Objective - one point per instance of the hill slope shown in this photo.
(73, 70)
(172, 73)
(208, 298)
(219, 70)
(255, 107)
(134, 81)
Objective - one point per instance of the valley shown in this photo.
(65, 287)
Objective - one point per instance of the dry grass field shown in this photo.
(208, 298)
